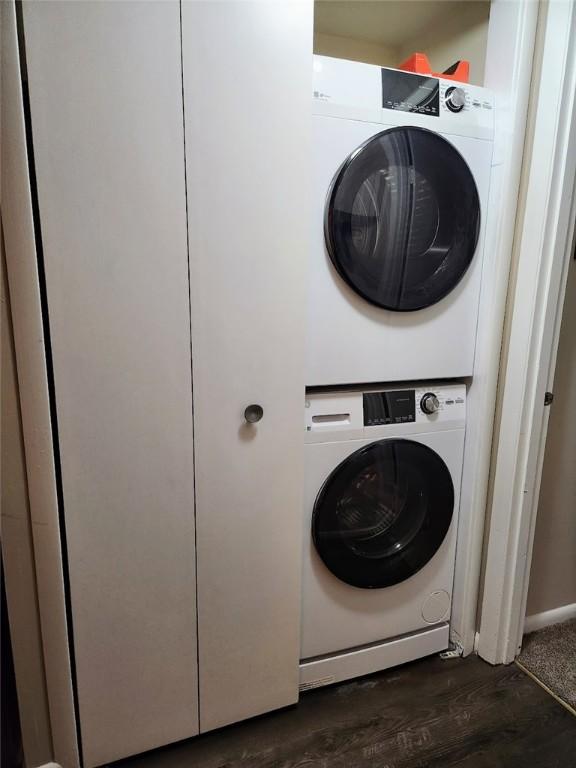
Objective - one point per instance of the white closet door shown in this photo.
(106, 109)
(247, 96)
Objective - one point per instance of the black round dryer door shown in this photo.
(383, 513)
(402, 219)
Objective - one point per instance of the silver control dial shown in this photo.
(429, 403)
(455, 99)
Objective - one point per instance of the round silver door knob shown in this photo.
(429, 403)
(253, 413)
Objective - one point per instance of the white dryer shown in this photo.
(382, 494)
(401, 170)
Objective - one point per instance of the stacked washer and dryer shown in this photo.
(401, 174)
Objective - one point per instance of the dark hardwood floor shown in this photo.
(429, 714)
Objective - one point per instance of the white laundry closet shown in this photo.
(169, 152)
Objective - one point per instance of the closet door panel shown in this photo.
(247, 96)
(106, 112)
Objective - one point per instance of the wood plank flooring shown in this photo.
(431, 713)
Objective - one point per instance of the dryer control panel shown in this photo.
(367, 92)
(406, 92)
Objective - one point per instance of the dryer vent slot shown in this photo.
(318, 683)
(331, 418)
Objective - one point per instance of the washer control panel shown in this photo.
(429, 403)
(394, 410)
(396, 406)
(440, 403)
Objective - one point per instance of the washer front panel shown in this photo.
(336, 615)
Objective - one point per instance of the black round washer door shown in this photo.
(383, 513)
(402, 219)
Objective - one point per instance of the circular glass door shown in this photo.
(383, 513)
(402, 219)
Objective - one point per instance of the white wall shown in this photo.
(355, 50)
(460, 36)
(458, 32)
(553, 573)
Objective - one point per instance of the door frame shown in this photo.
(542, 251)
(508, 72)
(45, 544)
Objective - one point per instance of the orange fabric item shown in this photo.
(419, 63)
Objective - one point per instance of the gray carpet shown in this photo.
(550, 655)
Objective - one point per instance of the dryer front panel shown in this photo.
(395, 267)
(383, 513)
(402, 219)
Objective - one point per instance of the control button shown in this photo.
(455, 99)
(459, 399)
(449, 402)
(429, 403)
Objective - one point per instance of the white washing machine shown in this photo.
(401, 170)
(382, 491)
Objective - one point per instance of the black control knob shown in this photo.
(455, 99)
(429, 403)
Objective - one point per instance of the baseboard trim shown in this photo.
(547, 618)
